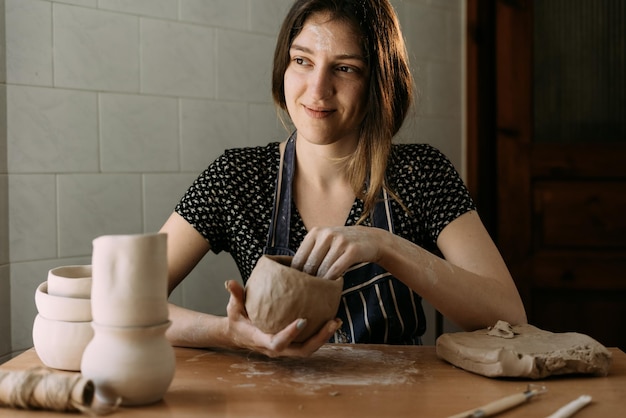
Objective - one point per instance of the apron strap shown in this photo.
(278, 234)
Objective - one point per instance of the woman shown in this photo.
(395, 220)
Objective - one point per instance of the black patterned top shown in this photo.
(231, 202)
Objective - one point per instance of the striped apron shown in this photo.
(375, 307)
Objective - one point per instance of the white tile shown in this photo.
(86, 3)
(51, 130)
(5, 312)
(208, 128)
(443, 90)
(265, 125)
(221, 13)
(267, 16)
(167, 9)
(93, 205)
(456, 36)
(203, 289)
(244, 66)
(444, 134)
(28, 42)
(161, 193)
(425, 29)
(177, 59)
(95, 49)
(4, 219)
(25, 277)
(138, 133)
(32, 216)
(3, 131)
(3, 55)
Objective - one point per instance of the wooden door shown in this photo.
(559, 100)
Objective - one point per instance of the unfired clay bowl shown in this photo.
(61, 308)
(277, 294)
(70, 281)
(60, 344)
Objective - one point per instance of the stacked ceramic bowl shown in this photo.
(62, 328)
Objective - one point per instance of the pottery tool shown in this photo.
(571, 408)
(503, 404)
(41, 388)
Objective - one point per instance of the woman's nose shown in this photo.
(321, 85)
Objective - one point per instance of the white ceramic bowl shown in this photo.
(61, 308)
(70, 281)
(60, 344)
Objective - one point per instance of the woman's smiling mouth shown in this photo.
(318, 113)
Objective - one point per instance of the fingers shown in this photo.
(318, 251)
(323, 335)
(280, 341)
(304, 259)
(283, 346)
(244, 334)
(236, 304)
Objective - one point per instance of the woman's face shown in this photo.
(326, 82)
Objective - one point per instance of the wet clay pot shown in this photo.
(277, 294)
(134, 363)
(129, 280)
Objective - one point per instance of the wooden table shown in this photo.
(350, 381)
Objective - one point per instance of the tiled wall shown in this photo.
(110, 108)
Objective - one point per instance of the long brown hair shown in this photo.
(390, 82)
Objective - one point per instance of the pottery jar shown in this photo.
(130, 280)
(134, 363)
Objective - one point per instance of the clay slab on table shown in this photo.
(524, 351)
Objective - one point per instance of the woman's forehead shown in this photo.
(323, 32)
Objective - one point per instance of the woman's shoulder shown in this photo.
(417, 155)
(251, 154)
(248, 159)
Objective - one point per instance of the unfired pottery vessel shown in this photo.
(61, 308)
(60, 344)
(130, 280)
(277, 294)
(134, 363)
(70, 281)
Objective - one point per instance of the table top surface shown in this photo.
(351, 381)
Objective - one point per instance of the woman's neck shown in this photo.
(322, 166)
(322, 192)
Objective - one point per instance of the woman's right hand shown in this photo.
(243, 334)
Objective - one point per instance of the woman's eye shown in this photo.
(300, 61)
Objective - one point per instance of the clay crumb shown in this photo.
(501, 329)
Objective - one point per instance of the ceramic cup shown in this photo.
(60, 344)
(70, 281)
(129, 280)
(61, 308)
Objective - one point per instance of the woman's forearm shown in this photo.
(473, 294)
(196, 329)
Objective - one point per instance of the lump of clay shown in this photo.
(524, 351)
(277, 294)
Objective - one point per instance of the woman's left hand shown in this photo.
(328, 252)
